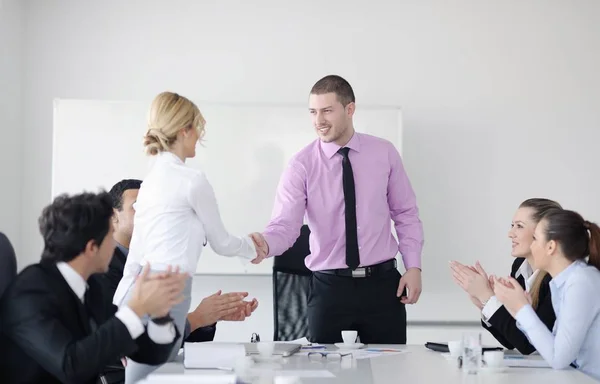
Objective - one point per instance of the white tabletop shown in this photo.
(417, 365)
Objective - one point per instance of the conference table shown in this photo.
(413, 364)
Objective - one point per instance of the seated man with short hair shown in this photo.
(201, 323)
(57, 327)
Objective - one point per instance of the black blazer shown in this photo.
(8, 263)
(47, 336)
(504, 326)
(113, 276)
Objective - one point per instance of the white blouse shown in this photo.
(176, 215)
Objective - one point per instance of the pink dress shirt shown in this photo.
(312, 185)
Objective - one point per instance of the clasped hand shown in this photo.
(262, 248)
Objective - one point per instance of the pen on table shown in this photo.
(383, 350)
(313, 347)
(513, 357)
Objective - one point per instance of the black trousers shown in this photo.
(368, 305)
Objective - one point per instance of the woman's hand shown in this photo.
(510, 293)
(472, 280)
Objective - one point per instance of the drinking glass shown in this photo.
(471, 356)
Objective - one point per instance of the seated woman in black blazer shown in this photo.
(475, 281)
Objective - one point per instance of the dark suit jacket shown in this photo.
(115, 274)
(504, 326)
(8, 263)
(47, 336)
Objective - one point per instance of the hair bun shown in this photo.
(155, 141)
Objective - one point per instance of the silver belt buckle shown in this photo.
(359, 272)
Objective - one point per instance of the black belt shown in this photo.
(371, 270)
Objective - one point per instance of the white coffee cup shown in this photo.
(494, 359)
(455, 347)
(349, 337)
(265, 348)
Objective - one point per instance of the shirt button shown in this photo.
(359, 247)
(358, 227)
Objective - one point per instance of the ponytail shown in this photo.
(594, 244)
(578, 238)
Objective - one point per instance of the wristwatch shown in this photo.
(162, 320)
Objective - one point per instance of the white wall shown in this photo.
(11, 127)
(467, 73)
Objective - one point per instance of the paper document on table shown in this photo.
(187, 378)
(526, 363)
(302, 341)
(368, 353)
(211, 355)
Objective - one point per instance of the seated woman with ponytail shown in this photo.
(562, 242)
(475, 282)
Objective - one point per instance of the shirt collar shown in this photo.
(74, 279)
(123, 249)
(524, 270)
(330, 149)
(560, 279)
(169, 157)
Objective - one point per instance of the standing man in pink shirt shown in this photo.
(351, 186)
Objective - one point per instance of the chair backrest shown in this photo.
(8, 263)
(291, 282)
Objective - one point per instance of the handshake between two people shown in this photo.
(261, 245)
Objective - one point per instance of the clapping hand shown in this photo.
(510, 293)
(240, 315)
(262, 248)
(156, 294)
(473, 280)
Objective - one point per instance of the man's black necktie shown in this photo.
(352, 257)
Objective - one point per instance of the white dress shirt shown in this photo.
(160, 334)
(176, 215)
(575, 337)
(493, 304)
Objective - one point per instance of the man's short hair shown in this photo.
(70, 222)
(116, 192)
(334, 84)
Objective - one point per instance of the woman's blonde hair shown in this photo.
(169, 114)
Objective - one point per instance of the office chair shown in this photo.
(8, 263)
(291, 283)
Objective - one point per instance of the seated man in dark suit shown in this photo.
(201, 323)
(57, 327)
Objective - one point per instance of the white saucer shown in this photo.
(349, 346)
(494, 369)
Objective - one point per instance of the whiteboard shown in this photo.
(96, 143)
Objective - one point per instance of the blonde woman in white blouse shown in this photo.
(176, 210)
